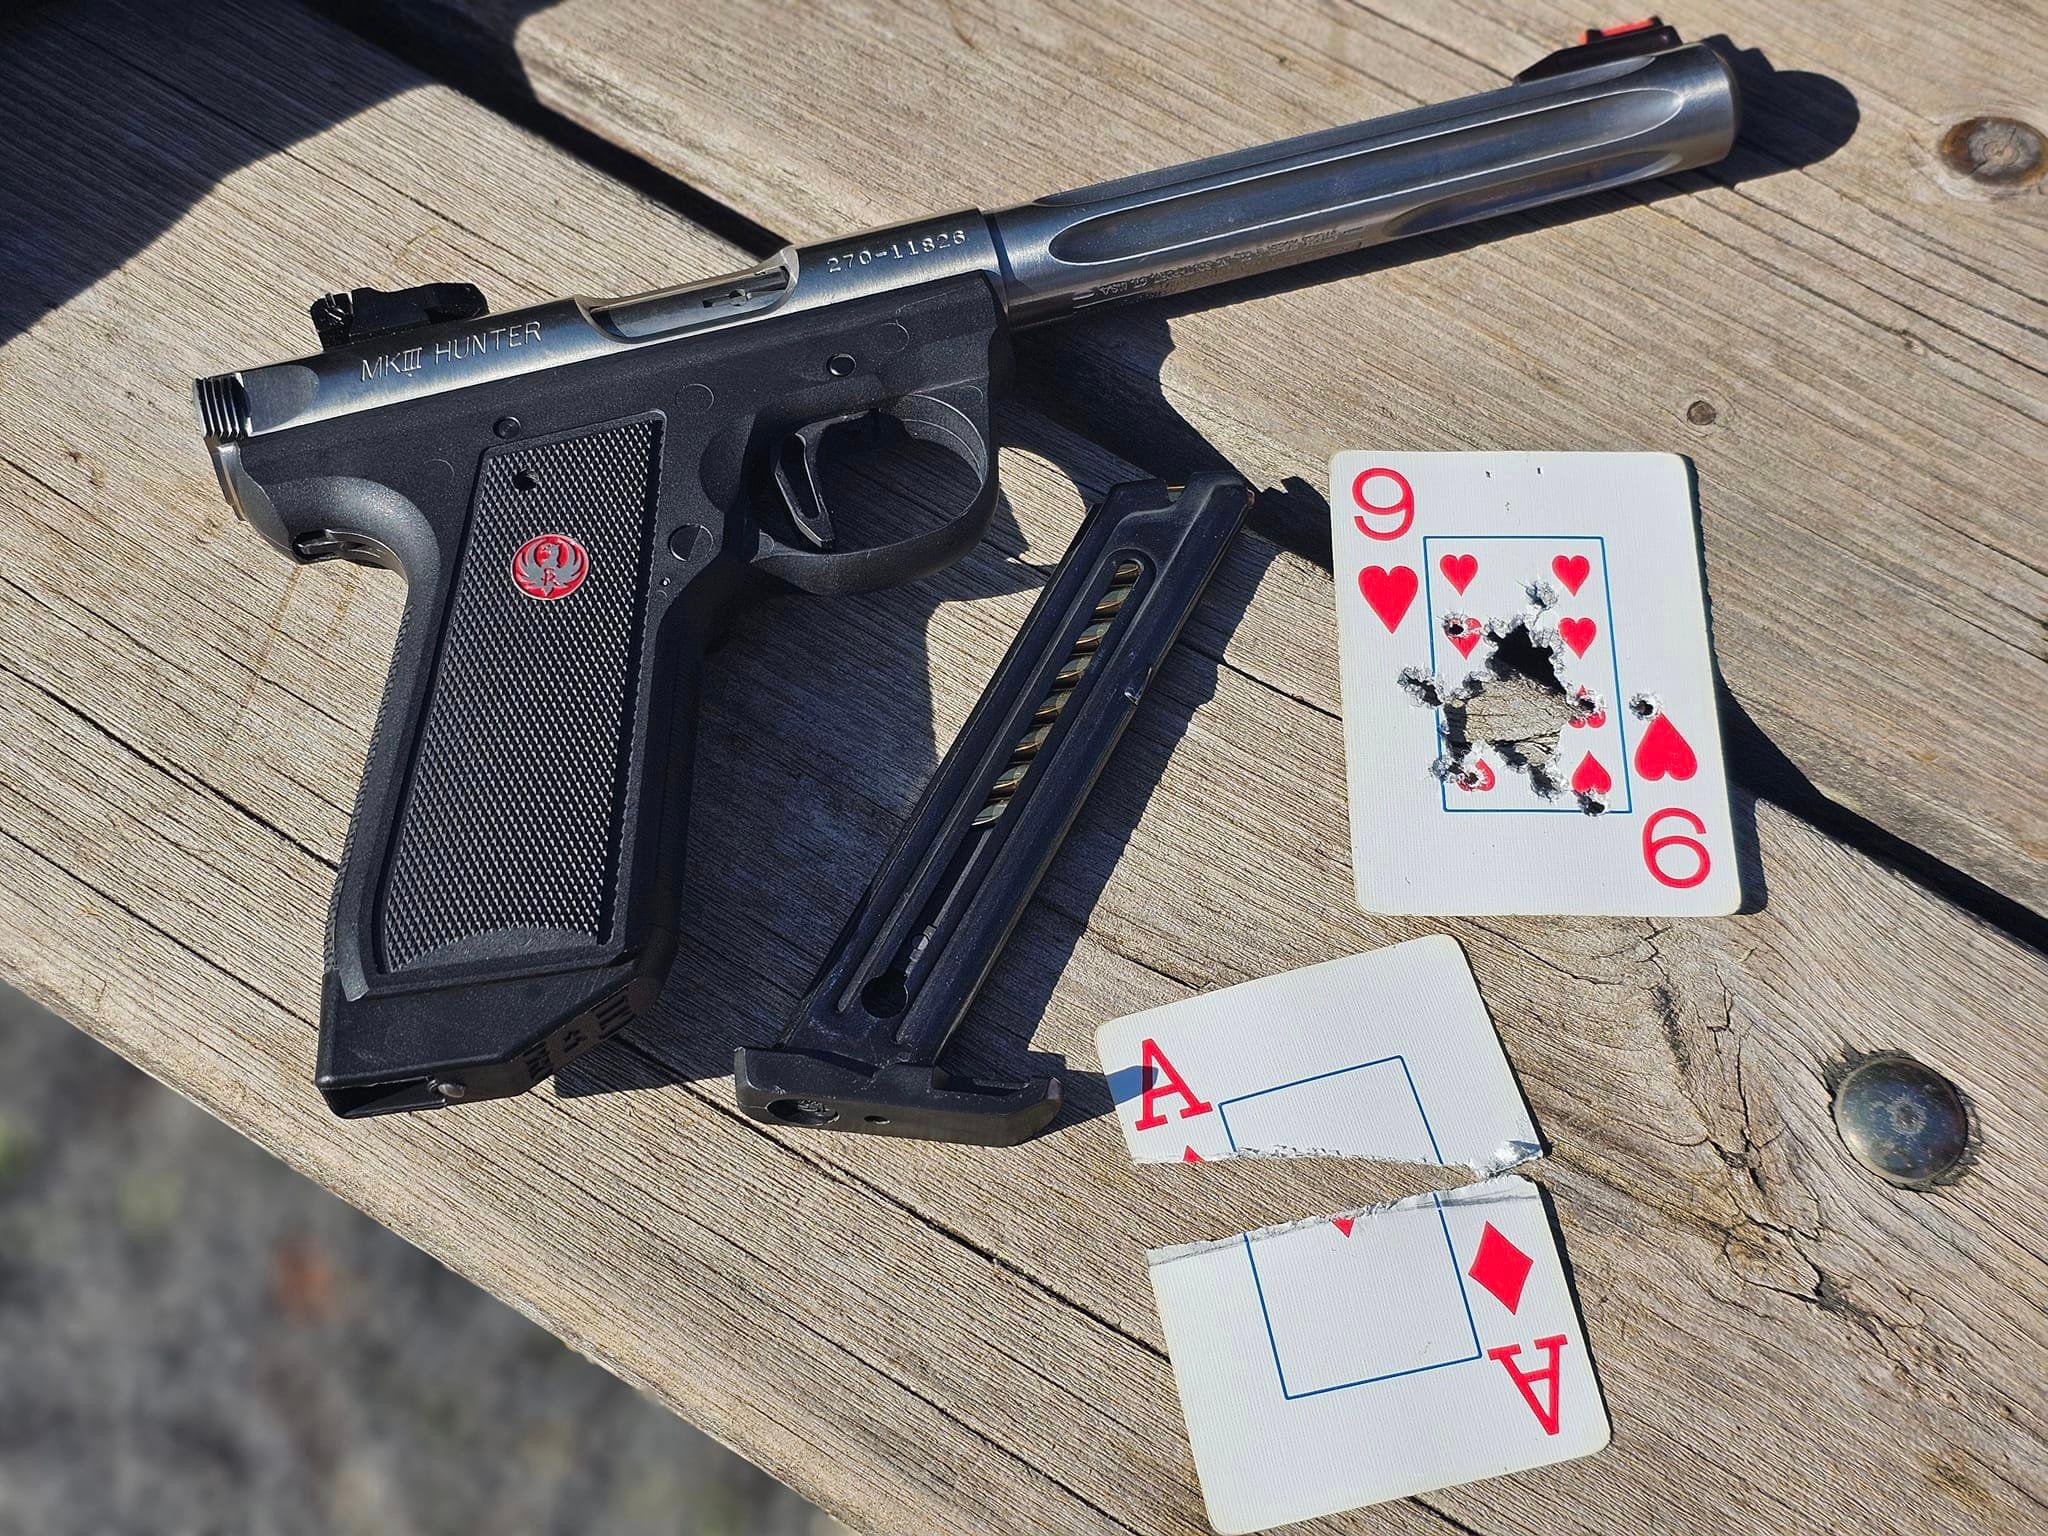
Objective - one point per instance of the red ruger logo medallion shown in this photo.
(549, 565)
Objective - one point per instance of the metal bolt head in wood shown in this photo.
(1903, 1121)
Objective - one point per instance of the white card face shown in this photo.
(1464, 570)
(1331, 1364)
(1387, 1055)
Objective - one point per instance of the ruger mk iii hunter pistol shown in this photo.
(578, 493)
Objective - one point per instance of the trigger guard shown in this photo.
(927, 418)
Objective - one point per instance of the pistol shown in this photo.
(577, 495)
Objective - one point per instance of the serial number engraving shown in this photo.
(895, 250)
(452, 349)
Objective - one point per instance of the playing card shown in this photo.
(1387, 1055)
(1529, 714)
(1333, 1363)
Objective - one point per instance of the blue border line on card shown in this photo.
(1223, 1105)
(1443, 1222)
(1627, 808)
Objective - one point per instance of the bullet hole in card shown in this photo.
(1514, 707)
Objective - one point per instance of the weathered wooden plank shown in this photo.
(1852, 351)
(920, 1337)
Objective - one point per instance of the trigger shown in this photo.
(801, 485)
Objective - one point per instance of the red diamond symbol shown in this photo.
(1501, 1267)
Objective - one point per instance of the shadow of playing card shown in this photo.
(1736, 727)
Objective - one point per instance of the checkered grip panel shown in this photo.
(509, 833)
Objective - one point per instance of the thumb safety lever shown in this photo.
(864, 1050)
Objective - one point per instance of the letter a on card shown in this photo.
(1546, 1377)
(1162, 1082)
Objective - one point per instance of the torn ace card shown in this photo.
(1329, 1364)
(1387, 1055)
(1529, 711)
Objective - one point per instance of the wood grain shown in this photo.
(1850, 348)
(921, 1338)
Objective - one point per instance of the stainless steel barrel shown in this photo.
(1231, 215)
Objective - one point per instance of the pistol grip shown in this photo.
(502, 896)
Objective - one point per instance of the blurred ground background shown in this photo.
(195, 1341)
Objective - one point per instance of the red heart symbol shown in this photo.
(1577, 633)
(1191, 1156)
(1466, 641)
(1571, 570)
(1388, 593)
(1662, 750)
(1343, 1223)
(1590, 778)
(1597, 719)
(1482, 777)
(1459, 569)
